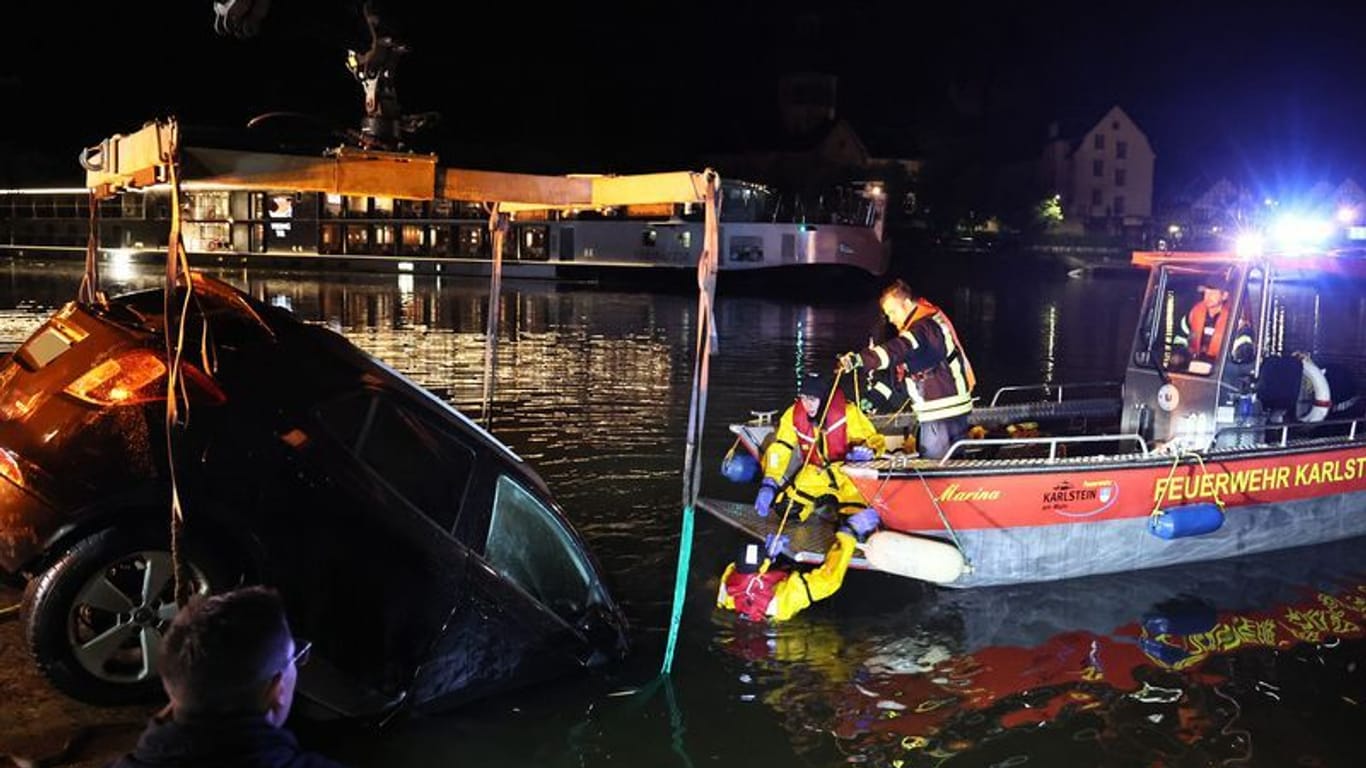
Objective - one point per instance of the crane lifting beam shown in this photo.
(139, 160)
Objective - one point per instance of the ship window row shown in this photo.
(529, 242)
(73, 206)
(739, 203)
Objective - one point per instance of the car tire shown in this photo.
(93, 619)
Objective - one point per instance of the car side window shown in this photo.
(528, 546)
(420, 462)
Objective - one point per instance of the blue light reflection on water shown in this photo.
(592, 388)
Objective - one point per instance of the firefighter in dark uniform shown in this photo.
(927, 360)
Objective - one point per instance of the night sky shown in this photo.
(1271, 97)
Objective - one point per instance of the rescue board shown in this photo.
(810, 540)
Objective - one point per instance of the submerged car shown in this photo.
(426, 561)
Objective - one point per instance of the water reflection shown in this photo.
(593, 387)
(1135, 669)
(1049, 338)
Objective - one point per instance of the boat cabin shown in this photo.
(1225, 342)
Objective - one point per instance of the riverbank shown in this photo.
(44, 727)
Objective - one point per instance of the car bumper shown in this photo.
(27, 525)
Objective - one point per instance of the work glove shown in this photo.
(863, 523)
(775, 545)
(861, 453)
(848, 361)
(763, 503)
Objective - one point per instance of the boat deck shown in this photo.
(1283, 439)
(810, 539)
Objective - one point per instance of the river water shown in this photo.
(593, 383)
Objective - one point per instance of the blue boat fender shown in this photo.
(1186, 520)
(740, 467)
(1182, 616)
(1167, 655)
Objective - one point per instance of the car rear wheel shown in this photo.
(94, 619)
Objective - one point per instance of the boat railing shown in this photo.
(1051, 443)
(1055, 392)
(760, 418)
(1238, 436)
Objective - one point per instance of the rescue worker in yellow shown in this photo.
(758, 594)
(927, 360)
(805, 459)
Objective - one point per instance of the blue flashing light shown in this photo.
(1293, 231)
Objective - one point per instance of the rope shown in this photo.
(730, 453)
(1166, 488)
(177, 271)
(89, 291)
(967, 561)
(815, 440)
(1157, 505)
(498, 227)
(706, 344)
(676, 727)
(887, 418)
(680, 587)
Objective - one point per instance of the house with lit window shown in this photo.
(1103, 173)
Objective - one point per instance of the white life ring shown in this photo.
(1313, 392)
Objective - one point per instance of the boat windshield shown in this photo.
(848, 204)
(747, 202)
(1194, 318)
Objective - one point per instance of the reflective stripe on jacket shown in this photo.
(1195, 325)
(792, 440)
(836, 440)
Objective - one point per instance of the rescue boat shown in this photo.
(1247, 448)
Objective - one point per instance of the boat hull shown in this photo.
(1041, 522)
(1049, 553)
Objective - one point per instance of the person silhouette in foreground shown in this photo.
(779, 594)
(229, 664)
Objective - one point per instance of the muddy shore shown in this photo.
(40, 724)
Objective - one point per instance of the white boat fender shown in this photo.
(1186, 520)
(1318, 384)
(916, 557)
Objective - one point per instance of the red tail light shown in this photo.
(138, 377)
(129, 379)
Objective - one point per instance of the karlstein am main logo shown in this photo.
(1085, 499)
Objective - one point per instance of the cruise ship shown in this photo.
(760, 229)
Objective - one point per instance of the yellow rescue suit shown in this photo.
(815, 462)
(780, 596)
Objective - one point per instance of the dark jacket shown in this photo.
(239, 742)
(926, 355)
